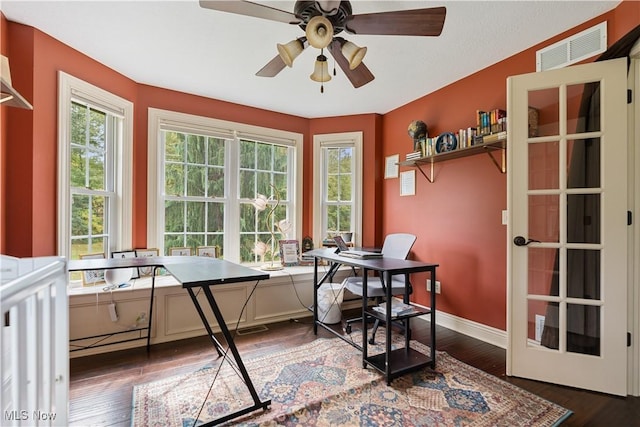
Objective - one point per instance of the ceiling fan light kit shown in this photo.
(322, 21)
(321, 71)
(354, 54)
(290, 51)
(319, 32)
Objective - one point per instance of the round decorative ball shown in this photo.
(417, 130)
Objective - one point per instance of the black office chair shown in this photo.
(397, 245)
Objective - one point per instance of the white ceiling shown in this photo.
(179, 45)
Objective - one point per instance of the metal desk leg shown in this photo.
(365, 341)
(315, 296)
(433, 318)
(153, 288)
(205, 322)
(389, 319)
(257, 403)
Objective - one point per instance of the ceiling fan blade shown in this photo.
(248, 8)
(417, 22)
(272, 68)
(359, 76)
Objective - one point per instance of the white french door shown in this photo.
(567, 198)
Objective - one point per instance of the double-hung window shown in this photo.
(338, 181)
(94, 170)
(204, 178)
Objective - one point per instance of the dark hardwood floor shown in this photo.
(101, 386)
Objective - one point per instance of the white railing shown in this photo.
(35, 342)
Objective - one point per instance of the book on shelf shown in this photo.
(493, 137)
(491, 121)
(397, 308)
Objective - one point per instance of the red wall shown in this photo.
(456, 218)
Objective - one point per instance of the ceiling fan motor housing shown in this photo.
(305, 10)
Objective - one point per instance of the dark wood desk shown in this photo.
(393, 363)
(194, 273)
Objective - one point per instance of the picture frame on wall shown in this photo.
(207, 251)
(289, 252)
(92, 277)
(127, 254)
(391, 166)
(146, 253)
(408, 183)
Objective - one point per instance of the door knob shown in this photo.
(521, 241)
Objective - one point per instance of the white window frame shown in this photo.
(336, 140)
(159, 119)
(120, 217)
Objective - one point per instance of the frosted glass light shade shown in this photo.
(290, 51)
(353, 53)
(319, 32)
(321, 70)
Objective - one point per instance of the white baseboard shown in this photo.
(473, 329)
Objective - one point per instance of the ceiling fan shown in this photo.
(322, 21)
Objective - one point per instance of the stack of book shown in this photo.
(397, 308)
(414, 155)
(306, 259)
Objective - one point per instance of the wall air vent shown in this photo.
(573, 49)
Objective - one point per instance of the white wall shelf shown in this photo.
(487, 147)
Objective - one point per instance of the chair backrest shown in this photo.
(398, 245)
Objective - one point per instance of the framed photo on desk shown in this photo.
(289, 252)
(92, 277)
(210, 251)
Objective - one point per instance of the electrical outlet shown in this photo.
(438, 288)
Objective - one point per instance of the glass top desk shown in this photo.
(392, 363)
(194, 273)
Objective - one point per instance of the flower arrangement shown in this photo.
(261, 203)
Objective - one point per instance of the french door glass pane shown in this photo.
(542, 269)
(536, 317)
(583, 329)
(576, 119)
(583, 270)
(544, 218)
(543, 165)
(547, 104)
(583, 224)
(584, 164)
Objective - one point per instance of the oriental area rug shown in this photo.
(322, 383)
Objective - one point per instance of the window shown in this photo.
(94, 170)
(204, 175)
(338, 176)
